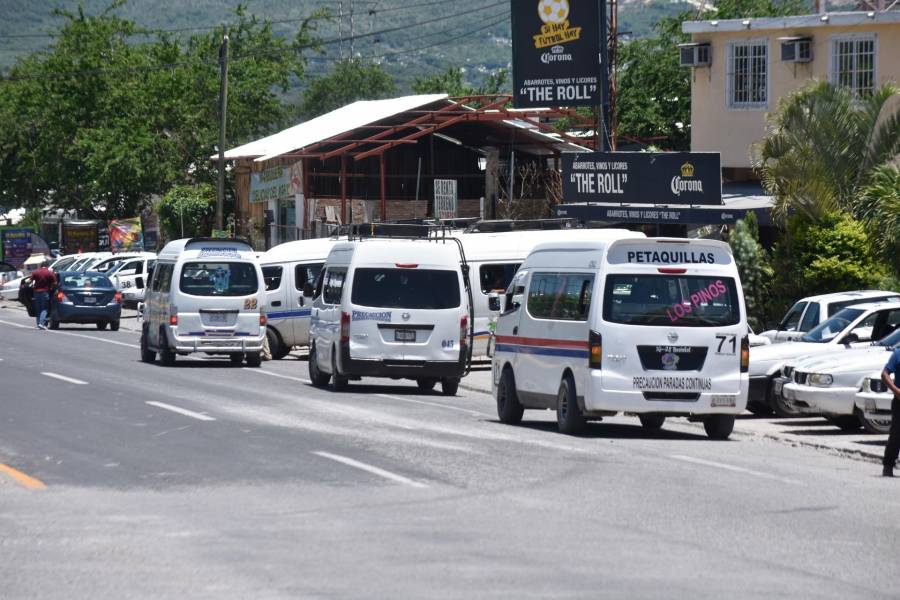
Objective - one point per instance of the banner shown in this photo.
(126, 235)
(661, 178)
(80, 236)
(17, 246)
(445, 205)
(276, 183)
(556, 53)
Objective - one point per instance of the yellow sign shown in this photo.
(556, 28)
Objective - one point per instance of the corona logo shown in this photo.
(687, 170)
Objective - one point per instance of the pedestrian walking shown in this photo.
(893, 445)
(44, 280)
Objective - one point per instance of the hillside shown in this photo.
(474, 35)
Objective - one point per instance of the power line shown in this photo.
(168, 66)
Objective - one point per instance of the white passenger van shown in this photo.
(494, 259)
(392, 308)
(655, 327)
(206, 295)
(289, 269)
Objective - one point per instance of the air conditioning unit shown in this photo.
(695, 55)
(796, 49)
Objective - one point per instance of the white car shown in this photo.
(828, 384)
(809, 312)
(874, 400)
(854, 326)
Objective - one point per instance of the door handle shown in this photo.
(276, 303)
(516, 330)
(301, 300)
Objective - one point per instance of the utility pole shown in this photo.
(613, 44)
(223, 111)
(351, 29)
(602, 120)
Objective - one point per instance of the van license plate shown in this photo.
(404, 335)
(215, 319)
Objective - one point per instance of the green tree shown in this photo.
(453, 83)
(350, 80)
(879, 206)
(187, 211)
(107, 118)
(754, 268)
(823, 146)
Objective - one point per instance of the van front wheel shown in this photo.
(718, 427)
(318, 378)
(569, 418)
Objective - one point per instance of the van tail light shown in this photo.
(406, 265)
(60, 297)
(263, 320)
(173, 320)
(463, 330)
(118, 297)
(745, 354)
(345, 327)
(595, 348)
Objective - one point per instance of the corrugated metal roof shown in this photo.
(336, 122)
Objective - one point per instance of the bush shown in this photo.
(188, 209)
(754, 267)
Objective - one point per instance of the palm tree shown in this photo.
(823, 145)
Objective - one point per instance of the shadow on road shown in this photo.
(617, 431)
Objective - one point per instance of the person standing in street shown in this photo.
(892, 449)
(44, 280)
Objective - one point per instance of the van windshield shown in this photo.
(428, 289)
(670, 300)
(218, 279)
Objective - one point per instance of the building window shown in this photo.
(748, 82)
(853, 63)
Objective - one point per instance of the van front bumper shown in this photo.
(699, 403)
(214, 343)
(410, 369)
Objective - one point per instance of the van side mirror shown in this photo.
(494, 302)
(308, 290)
(139, 283)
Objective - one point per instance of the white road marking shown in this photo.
(64, 378)
(19, 325)
(435, 404)
(181, 411)
(271, 374)
(371, 469)
(718, 465)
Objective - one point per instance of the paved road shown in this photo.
(210, 481)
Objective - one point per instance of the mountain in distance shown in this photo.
(432, 35)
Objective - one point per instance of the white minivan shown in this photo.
(289, 269)
(655, 327)
(206, 295)
(392, 308)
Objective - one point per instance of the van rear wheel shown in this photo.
(318, 378)
(338, 381)
(425, 384)
(236, 359)
(166, 355)
(569, 418)
(718, 427)
(276, 348)
(254, 359)
(509, 409)
(449, 386)
(652, 422)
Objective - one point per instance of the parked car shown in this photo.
(131, 276)
(858, 325)
(86, 297)
(809, 312)
(874, 400)
(827, 385)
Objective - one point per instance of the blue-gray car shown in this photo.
(87, 297)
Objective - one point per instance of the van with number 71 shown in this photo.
(653, 327)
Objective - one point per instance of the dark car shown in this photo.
(87, 297)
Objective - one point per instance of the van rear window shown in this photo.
(218, 279)
(667, 300)
(428, 289)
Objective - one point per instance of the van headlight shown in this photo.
(821, 379)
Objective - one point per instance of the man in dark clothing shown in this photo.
(44, 280)
(892, 449)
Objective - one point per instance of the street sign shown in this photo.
(445, 206)
(556, 53)
(661, 178)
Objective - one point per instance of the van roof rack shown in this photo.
(500, 225)
(213, 239)
(389, 230)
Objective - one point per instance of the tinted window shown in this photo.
(792, 319)
(667, 300)
(496, 278)
(304, 274)
(272, 277)
(828, 330)
(429, 289)
(334, 285)
(218, 279)
(810, 317)
(565, 296)
(82, 280)
(162, 278)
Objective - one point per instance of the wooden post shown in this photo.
(383, 192)
(305, 196)
(343, 189)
